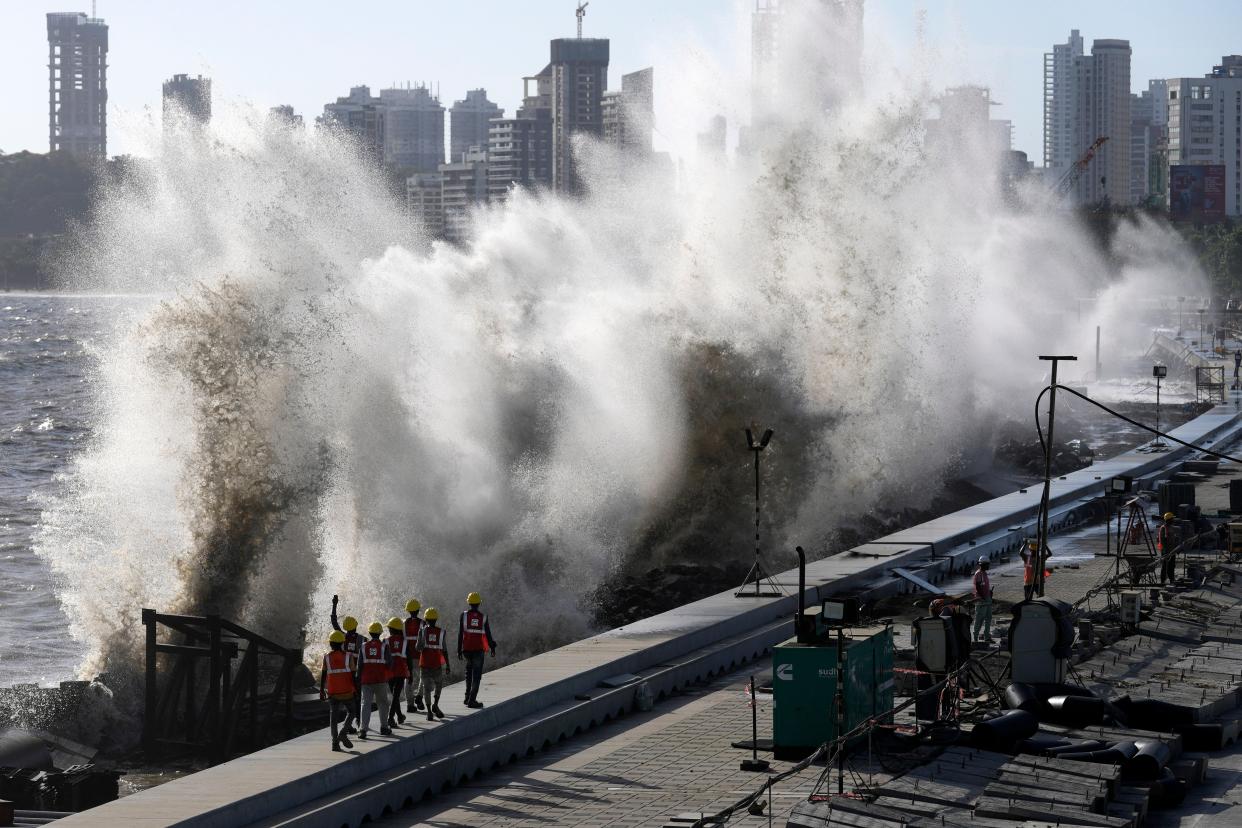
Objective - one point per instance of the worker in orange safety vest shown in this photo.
(474, 640)
(433, 663)
(413, 692)
(373, 676)
(399, 671)
(336, 686)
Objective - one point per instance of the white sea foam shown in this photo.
(323, 402)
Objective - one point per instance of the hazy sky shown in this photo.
(307, 53)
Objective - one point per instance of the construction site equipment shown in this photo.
(1076, 169)
(1210, 383)
(805, 684)
(1040, 639)
(204, 710)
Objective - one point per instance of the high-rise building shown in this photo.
(1087, 97)
(809, 50)
(1061, 149)
(1149, 143)
(284, 114)
(464, 187)
(579, 70)
(469, 122)
(360, 116)
(966, 127)
(424, 201)
(1205, 125)
(413, 128)
(629, 113)
(519, 150)
(190, 96)
(77, 65)
(402, 127)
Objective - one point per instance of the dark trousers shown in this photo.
(340, 711)
(394, 710)
(352, 707)
(1029, 590)
(1168, 571)
(474, 674)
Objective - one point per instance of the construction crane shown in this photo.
(581, 14)
(1076, 169)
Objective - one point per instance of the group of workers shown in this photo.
(364, 671)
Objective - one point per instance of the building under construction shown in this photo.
(77, 65)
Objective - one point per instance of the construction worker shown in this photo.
(474, 639)
(1030, 560)
(432, 658)
(400, 670)
(373, 676)
(336, 686)
(983, 590)
(353, 646)
(1166, 541)
(413, 690)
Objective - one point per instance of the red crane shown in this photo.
(1076, 170)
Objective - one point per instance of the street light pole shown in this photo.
(1159, 372)
(757, 573)
(1042, 552)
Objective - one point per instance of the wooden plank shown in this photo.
(917, 581)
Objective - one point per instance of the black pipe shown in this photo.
(801, 619)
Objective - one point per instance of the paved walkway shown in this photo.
(642, 770)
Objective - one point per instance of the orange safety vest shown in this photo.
(353, 644)
(411, 629)
(432, 654)
(473, 637)
(396, 644)
(338, 665)
(1028, 569)
(374, 663)
(1162, 534)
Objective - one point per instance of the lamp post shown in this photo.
(757, 574)
(1043, 519)
(1180, 301)
(1200, 342)
(1159, 371)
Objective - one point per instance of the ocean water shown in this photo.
(46, 406)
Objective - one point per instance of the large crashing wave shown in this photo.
(319, 401)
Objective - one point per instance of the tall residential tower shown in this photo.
(1087, 97)
(77, 65)
(469, 122)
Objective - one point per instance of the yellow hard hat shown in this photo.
(412, 605)
(474, 599)
(432, 614)
(396, 623)
(350, 623)
(336, 637)
(1169, 515)
(376, 627)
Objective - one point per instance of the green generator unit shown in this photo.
(804, 687)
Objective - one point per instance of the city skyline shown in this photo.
(231, 43)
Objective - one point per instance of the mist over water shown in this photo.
(320, 401)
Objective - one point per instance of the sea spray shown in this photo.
(319, 401)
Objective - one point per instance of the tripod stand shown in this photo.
(756, 579)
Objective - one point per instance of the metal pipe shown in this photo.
(801, 619)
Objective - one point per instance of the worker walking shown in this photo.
(983, 591)
(433, 664)
(413, 689)
(336, 687)
(1166, 540)
(400, 671)
(373, 676)
(352, 646)
(474, 640)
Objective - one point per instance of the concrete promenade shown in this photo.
(539, 702)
